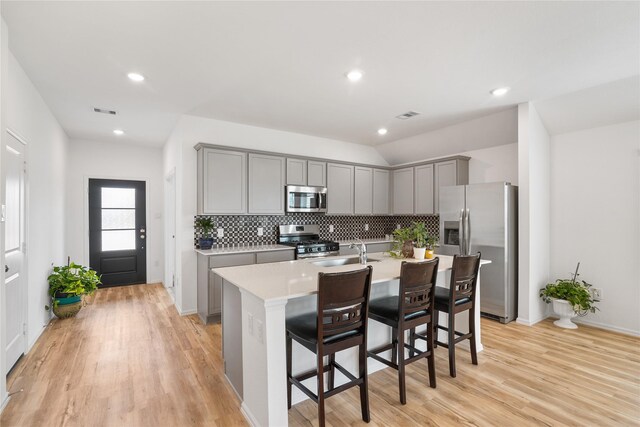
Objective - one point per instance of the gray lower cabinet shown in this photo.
(403, 191)
(340, 189)
(363, 188)
(316, 174)
(210, 284)
(451, 172)
(222, 181)
(423, 197)
(381, 192)
(266, 184)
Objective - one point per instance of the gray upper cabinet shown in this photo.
(423, 179)
(222, 181)
(316, 174)
(451, 172)
(340, 192)
(266, 184)
(380, 192)
(363, 202)
(296, 172)
(403, 191)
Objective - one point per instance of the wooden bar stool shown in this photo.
(460, 296)
(340, 323)
(412, 307)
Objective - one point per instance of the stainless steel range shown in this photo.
(306, 239)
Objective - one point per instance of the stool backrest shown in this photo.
(343, 302)
(417, 286)
(464, 276)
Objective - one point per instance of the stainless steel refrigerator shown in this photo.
(483, 217)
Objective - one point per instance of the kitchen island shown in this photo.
(257, 300)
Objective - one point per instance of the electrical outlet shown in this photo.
(260, 231)
(398, 227)
(596, 294)
(220, 232)
(366, 227)
(331, 228)
(260, 331)
(250, 323)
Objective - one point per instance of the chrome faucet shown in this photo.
(362, 250)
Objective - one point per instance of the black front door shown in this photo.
(117, 231)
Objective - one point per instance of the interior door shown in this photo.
(117, 231)
(14, 282)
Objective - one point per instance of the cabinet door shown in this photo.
(215, 294)
(363, 188)
(266, 184)
(380, 192)
(445, 175)
(316, 174)
(424, 189)
(339, 189)
(224, 181)
(296, 172)
(403, 191)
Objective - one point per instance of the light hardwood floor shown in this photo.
(129, 359)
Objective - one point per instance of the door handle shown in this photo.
(6, 268)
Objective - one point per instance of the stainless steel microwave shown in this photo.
(306, 199)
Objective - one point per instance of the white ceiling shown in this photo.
(281, 64)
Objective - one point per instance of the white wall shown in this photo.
(180, 155)
(29, 116)
(493, 164)
(91, 159)
(489, 131)
(533, 212)
(595, 217)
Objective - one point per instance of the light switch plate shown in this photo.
(331, 228)
(366, 227)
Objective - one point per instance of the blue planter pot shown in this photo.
(205, 242)
(69, 300)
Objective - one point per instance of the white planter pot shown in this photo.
(418, 253)
(565, 311)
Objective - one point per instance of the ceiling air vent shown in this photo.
(104, 111)
(407, 115)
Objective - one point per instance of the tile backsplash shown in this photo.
(243, 229)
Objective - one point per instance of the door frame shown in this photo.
(85, 213)
(25, 261)
(168, 228)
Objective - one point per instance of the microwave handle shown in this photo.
(322, 200)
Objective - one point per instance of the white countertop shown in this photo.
(243, 249)
(293, 279)
(366, 241)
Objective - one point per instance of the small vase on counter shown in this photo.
(418, 253)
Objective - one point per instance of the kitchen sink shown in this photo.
(335, 262)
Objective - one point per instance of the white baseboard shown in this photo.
(604, 326)
(248, 415)
(4, 402)
(528, 322)
(186, 312)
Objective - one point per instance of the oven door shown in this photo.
(306, 199)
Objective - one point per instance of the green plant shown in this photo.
(420, 234)
(206, 224)
(576, 292)
(73, 279)
(402, 237)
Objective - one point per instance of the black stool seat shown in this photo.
(385, 310)
(442, 297)
(305, 329)
(412, 307)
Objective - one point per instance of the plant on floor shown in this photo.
(67, 284)
(205, 223)
(570, 297)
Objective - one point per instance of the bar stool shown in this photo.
(412, 307)
(460, 296)
(340, 323)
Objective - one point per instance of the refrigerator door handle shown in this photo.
(461, 238)
(467, 234)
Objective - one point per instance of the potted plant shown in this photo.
(205, 224)
(67, 285)
(431, 244)
(570, 298)
(420, 237)
(402, 243)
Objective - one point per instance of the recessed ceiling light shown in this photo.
(382, 131)
(354, 75)
(135, 77)
(500, 91)
(118, 132)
